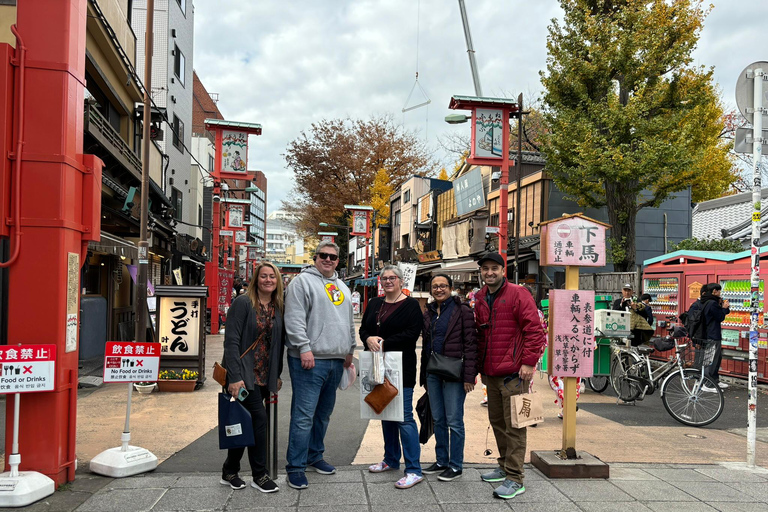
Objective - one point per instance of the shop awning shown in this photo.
(187, 258)
(370, 281)
(110, 244)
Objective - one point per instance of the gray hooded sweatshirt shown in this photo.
(318, 316)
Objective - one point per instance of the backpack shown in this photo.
(694, 321)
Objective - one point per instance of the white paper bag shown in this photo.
(377, 367)
(392, 367)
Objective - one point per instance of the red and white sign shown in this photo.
(27, 368)
(360, 223)
(572, 334)
(576, 241)
(126, 361)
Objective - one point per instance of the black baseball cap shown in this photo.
(491, 256)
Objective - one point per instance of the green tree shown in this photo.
(706, 244)
(381, 191)
(630, 119)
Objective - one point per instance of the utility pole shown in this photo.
(142, 274)
(519, 169)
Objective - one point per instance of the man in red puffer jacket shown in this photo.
(509, 344)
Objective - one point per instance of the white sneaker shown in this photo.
(708, 389)
(722, 385)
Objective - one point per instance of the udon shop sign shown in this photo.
(573, 240)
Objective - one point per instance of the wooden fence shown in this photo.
(610, 283)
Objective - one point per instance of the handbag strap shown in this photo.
(253, 345)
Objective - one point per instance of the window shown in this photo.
(177, 199)
(406, 197)
(211, 163)
(397, 218)
(199, 215)
(183, 6)
(178, 133)
(178, 64)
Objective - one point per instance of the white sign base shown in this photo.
(20, 488)
(123, 460)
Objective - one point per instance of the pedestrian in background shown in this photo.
(253, 357)
(449, 330)
(320, 336)
(510, 339)
(715, 311)
(392, 324)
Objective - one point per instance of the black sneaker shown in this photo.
(265, 484)
(233, 481)
(434, 468)
(449, 474)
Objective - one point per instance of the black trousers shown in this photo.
(713, 370)
(257, 454)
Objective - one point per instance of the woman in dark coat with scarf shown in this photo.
(253, 357)
(449, 329)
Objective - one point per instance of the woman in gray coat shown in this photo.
(253, 357)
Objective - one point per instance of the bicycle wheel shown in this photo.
(598, 383)
(625, 364)
(686, 401)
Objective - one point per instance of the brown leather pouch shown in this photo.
(220, 374)
(381, 395)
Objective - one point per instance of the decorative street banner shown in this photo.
(409, 276)
(468, 192)
(27, 368)
(241, 237)
(571, 331)
(234, 151)
(235, 216)
(360, 221)
(574, 240)
(488, 133)
(179, 328)
(126, 361)
(253, 253)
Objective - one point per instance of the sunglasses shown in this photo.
(327, 256)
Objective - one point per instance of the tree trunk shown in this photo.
(622, 213)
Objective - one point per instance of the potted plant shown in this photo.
(144, 388)
(177, 380)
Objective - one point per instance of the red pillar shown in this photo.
(212, 268)
(60, 196)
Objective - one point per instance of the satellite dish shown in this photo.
(745, 91)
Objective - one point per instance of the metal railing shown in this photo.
(98, 126)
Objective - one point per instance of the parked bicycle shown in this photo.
(688, 395)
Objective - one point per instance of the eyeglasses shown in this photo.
(389, 278)
(440, 286)
(327, 256)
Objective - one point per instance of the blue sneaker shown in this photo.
(322, 467)
(297, 480)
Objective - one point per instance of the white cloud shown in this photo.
(286, 64)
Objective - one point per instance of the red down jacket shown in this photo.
(509, 336)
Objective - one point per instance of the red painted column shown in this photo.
(60, 204)
(212, 269)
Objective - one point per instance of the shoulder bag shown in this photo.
(447, 368)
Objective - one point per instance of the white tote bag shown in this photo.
(393, 370)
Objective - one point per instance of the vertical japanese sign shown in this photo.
(240, 237)
(234, 151)
(73, 307)
(576, 241)
(252, 253)
(126, 361)
(409, 276)
(235, 216)
(468, 191)
(360, 221)
(225, 287)
(488, 133)
(571, 328)
(27, 368)
(180, 325)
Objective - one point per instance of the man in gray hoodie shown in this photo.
(320, 338)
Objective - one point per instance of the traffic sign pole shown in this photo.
(757, 154)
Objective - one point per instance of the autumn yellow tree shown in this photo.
(381, 190)
(443, 175)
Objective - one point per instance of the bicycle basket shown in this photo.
(698, 353)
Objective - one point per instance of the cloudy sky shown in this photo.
(286, 64)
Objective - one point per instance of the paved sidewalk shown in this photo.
(631, 488)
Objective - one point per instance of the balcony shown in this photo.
(99, 128)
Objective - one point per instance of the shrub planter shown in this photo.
(144, 388)
(185, 386)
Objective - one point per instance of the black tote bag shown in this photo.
(424, 412)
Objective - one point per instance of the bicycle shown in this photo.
(688, 395)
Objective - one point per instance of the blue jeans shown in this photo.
(447, 402)
(407, 432)
(314, 395)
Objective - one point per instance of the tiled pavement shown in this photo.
(631, 488)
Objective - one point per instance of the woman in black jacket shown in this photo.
(392, 324)
(253, 357)
(449, 329)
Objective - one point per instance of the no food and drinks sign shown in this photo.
(27, 368)
(126, 361)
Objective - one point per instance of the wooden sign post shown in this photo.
(571, 241)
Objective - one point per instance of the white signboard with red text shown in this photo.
(574, 240)
(27, 368)
(126, 361)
